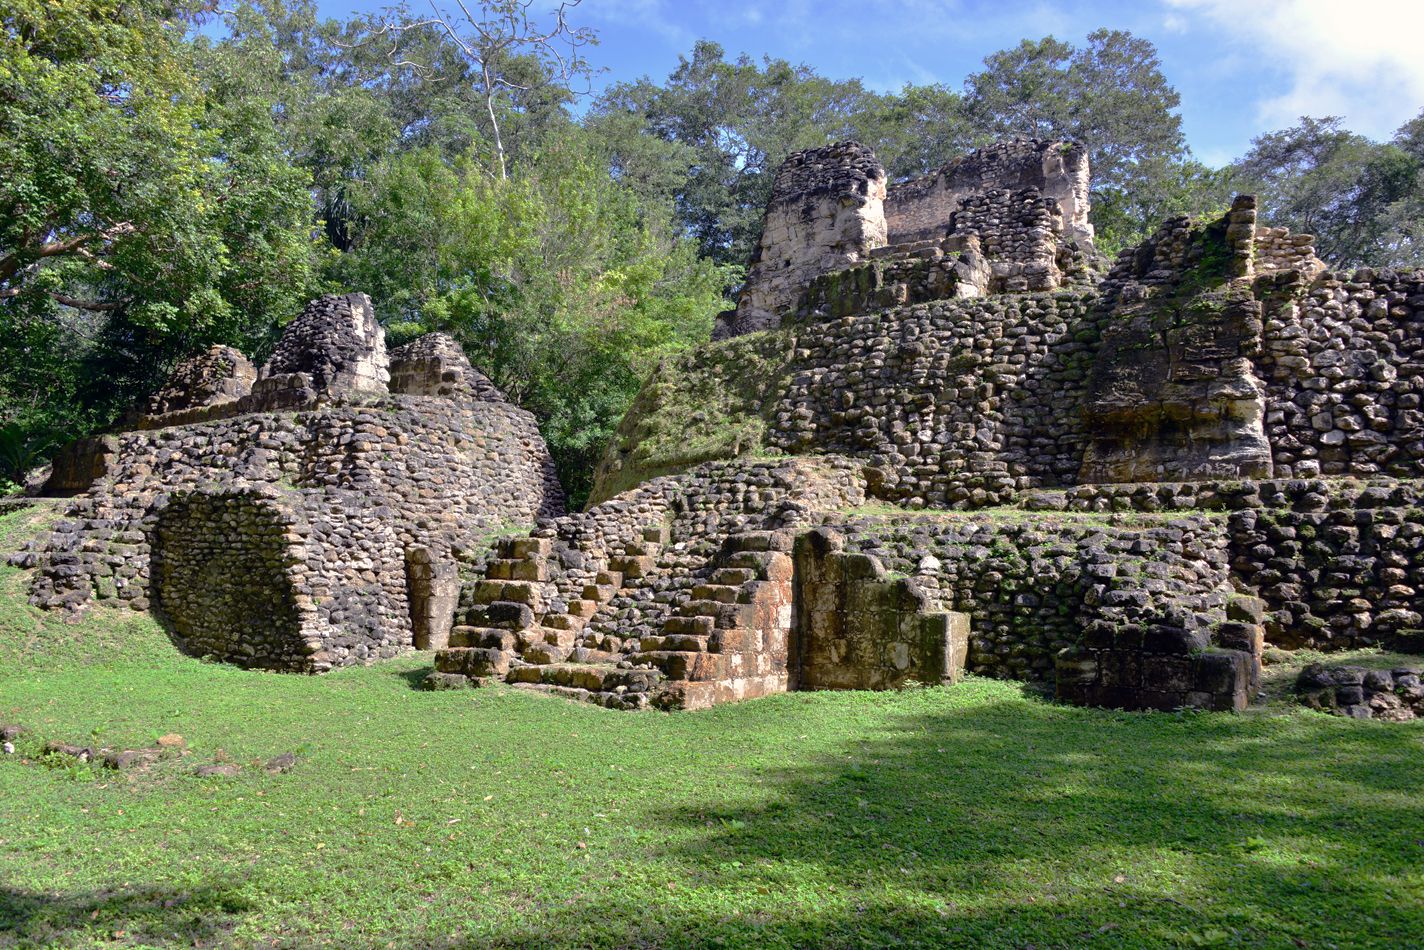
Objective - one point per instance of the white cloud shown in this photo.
(1356, 59)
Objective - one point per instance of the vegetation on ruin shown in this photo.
(978, 816)
(161, 191)
(694, 409)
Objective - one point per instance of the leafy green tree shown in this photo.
(517, 64)
(140, 213)
(916, 130)
(563, 287)
(736, 122)
(1351, 193)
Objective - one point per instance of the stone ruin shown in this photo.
(1009, 218)
(938, 434)
(311, 515)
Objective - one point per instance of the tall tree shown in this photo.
(141, 210)
(514, 57)
(1320, 178)
(737, 121)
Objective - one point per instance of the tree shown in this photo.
(146, 207)
(562, 285)
(515, 58)
(1356, 196)
(736, 123)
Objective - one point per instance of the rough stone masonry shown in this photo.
(938, 434)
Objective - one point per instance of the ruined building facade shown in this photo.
(937, 434)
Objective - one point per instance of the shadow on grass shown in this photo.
(414, 678)
(1021, 825)
(149, 917)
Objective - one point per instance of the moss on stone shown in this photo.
(707, 406)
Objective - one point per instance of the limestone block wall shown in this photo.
(858, 628)
(292, 580)
(1277, 250)
(222, 566)
(956, 403)
(1343, 363)
(379, 479)
(921, 208)
(1339, 566)
(1018, 233)
(1034, 589)
(1395, 695)
(825, 214)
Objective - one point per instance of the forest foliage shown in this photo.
(162, 191)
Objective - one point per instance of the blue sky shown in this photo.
(1243, 67)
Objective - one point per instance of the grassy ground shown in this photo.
(978, 816)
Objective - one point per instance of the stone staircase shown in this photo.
(728, 641)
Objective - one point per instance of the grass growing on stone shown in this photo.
(698, 408)
(977, 816)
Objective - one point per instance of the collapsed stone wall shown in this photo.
(436, 365)
(336, 344)
(220, 375)
(824, 214)
(920, 209)
(351, 510)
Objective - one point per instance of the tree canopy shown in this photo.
(161, 191)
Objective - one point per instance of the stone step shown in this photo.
(583, 609)
(657, 533)
(527, 548)
(733, 576)
(601, 593)
(676, 642)
(501, 614)
(689, 626)
(612, 579)
(560, 638)
(720, 593)
(642, 549)
(724, 616)
(563, 622)
(490, 637)
(683, 665)
(489, 590)
(633, 566)
(608, 699)
(595, 677)
(473, 661)
(542, 654)
(511, 570)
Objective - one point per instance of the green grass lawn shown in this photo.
(976, 816)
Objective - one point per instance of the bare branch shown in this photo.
(502, 28)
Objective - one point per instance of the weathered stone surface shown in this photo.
(336, 343)
(435, 365)
(920, 208)
(1174, 394)
(220, 375)
(824, 214)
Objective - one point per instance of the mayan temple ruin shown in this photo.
(938, 434)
